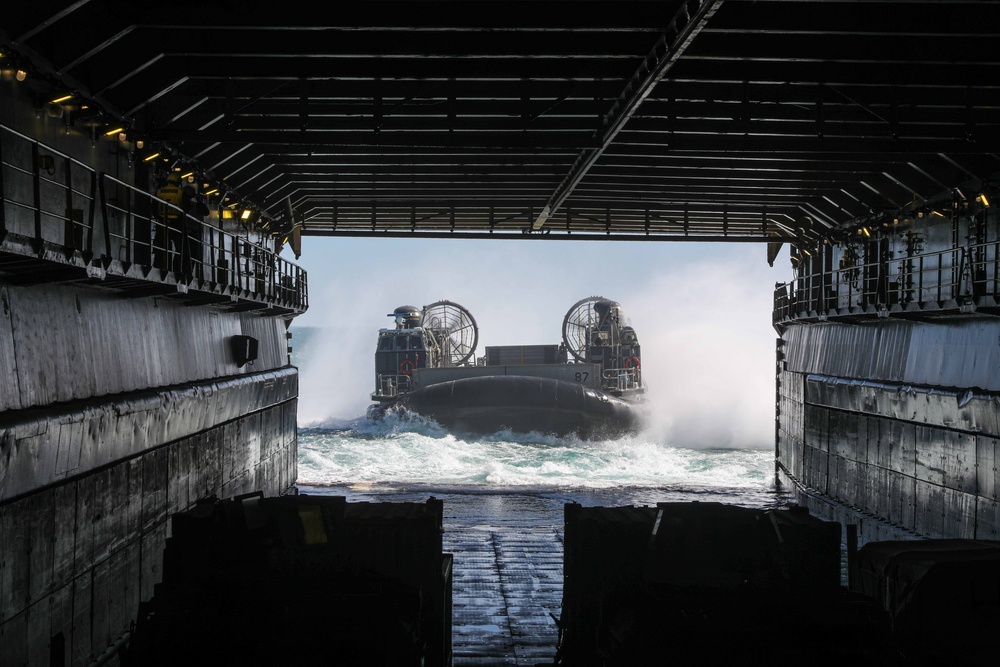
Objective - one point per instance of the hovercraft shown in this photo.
(589, 385)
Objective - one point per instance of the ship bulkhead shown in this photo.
(131, 385)
(888, 373)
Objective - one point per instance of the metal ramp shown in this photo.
(507, 583)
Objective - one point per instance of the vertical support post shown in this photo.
(102, 193)
(69, 222)
(3, 194)
(852, 556)
(36, 187)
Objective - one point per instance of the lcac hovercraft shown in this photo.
(590, 385)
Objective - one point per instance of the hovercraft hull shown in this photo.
(523, 404)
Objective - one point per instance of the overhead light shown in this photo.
(245, 215)
(937, 213)
(212, 191)
(122, 137)
(139, 143)
(61, 99)
(113, 131)
(150, 158)
(983, 200)
(21, 75)
(188, 176)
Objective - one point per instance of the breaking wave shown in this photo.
(408, 451)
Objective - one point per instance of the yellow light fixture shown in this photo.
(212, 191)
(866, 232)
(114, 131)
(21, 75)
(151, 157)
(245, 215)
(61, 99)
(122, 137)
(937, 213)
(139, 143)
(983, 200)
(188, 175)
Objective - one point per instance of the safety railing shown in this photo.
(48, 196)
(56, 200)
(391, 385)
(621, 379)
(953, 278)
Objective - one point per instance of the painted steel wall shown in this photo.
(115, 412)
(899, 458)
(78, 557)
(62, 344)
(962, 353)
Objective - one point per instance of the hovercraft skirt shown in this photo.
(481, 405)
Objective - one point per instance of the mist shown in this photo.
(702, 314)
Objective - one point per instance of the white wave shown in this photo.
(401, 451)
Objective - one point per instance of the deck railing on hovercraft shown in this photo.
(391, 385)
(621, 379)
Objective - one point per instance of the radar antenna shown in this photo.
(580, 320)
(454, 329)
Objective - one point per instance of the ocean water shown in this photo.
(413, 455)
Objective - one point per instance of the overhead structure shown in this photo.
(719, 120)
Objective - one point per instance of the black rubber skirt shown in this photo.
(483, 405)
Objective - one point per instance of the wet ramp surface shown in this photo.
(507, 587)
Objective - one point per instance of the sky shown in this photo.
(702, 313)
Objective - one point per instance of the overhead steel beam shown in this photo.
(382, 140)
(544, 236)
(672, 43)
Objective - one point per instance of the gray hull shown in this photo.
(482, 405)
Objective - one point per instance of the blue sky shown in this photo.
(702, 313)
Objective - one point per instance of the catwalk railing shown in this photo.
(961, 279)
(66, 211)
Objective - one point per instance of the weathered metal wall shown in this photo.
(77, 557)
(63, 344)
(116, 409)
(900, 459)
(40, 449)
(947, 354)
